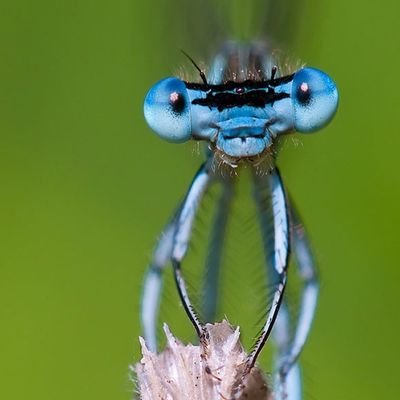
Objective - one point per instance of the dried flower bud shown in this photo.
(212, 370)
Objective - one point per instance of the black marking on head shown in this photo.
(238, 94)
(252, 98)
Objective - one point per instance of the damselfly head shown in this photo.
(241, 119)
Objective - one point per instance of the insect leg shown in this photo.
(153, 283)
(288, 382)
(308, 302)
(282, 327)
(182, 235)
(214, 257)
(273, 190)
(287, 387)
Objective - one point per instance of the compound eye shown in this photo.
(167, 110)
(315, 99)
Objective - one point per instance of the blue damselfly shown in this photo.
(241, 108)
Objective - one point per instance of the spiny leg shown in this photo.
(214, 257)
(272, 184)
(288, 382)
(184, 224)
(308, 302)
(153, 283)
(282, 327)
(287, 387)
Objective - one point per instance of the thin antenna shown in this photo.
(202, 74)
(273, 72)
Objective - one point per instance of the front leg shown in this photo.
(182, 236)
(273, 187)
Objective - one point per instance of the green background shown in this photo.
(85, 189)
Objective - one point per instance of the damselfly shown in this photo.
(241, 109)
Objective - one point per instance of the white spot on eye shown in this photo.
(173, 97)
(304, 87)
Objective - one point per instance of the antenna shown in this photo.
(202, 74)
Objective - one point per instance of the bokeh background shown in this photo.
(86, 188)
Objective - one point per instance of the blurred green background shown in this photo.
(85, 189)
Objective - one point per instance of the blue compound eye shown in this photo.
(315, 99)
(167, 110)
